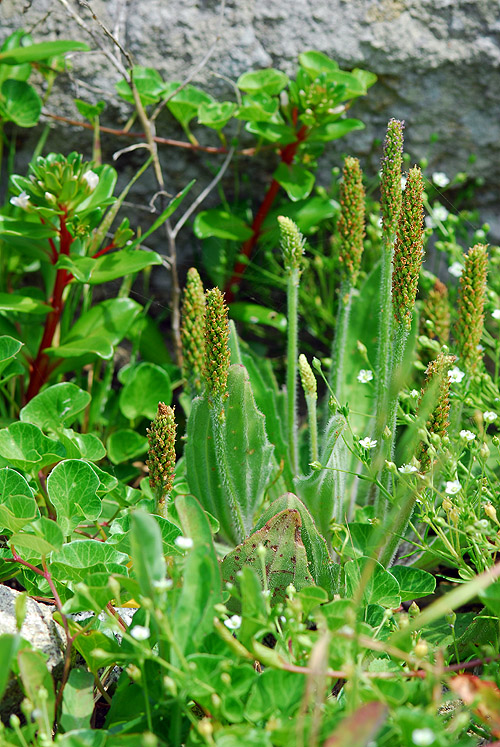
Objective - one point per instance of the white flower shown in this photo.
(415, 393)
(364, 376)
(233, 623)
(380, 223)
(407, 469)
(50, 197)
(429, 222)
(140, 632)
(467, 435)
(489, 417)
(455, 269)
(480, 347)
(403, 182)
(440, 179)
(367, 443)
(440, 213)
(92, 179)
(423, 737)
(455, 375)
(185, 543)
(495, 313)
(266, 593)
(452, 487)
(163, 585)
(22, 201)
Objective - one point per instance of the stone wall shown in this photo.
(438, 63)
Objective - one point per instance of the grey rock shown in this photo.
(438, 63)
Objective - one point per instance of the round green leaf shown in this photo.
(334, 130)
(72, 487)
(254, 314)
(17, 504)
(215, 114)
(146, 385)
(20, 103)
(55, 407)
(125, 444)
(295, 180)
(315, 63)
(413, 582)
(268, 81)
(221, 224)
(381, 588)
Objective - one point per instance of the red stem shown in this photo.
(104, 251)
(287, 156)
(40, 368)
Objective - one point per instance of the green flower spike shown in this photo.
(436, 309)
(292, 244)
(193, 331)
(469, 328)
(310, 387)
(436, 384)
(409, 249)
(390, 184)
(217, 356)
(351, 224)
(161, 455)
(307, 378)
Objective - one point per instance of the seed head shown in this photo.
(217, 354)
(472, 289)
(351, 224)
(390, 184)
(436, 382)
(161, 454)
(436, 308)
(408, 249)
(292, 243)
(307, 378)
(193, 331)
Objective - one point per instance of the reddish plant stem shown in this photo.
(40, 368)
(104, 251)
(287, 156)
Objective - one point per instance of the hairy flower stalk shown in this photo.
(309, 385)
(407, 261)
(472, 289)
(351, 231)
(434, 406)
(193, 332)
(215, 372)
(436, 310)
(161, 455)
(292, 245)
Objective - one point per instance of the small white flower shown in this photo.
(185, 543)
(440, 213)
(415, 393)
(455, 375)
(92, 179)
(163, 585)
(233, 623)
(495, 313)
(367, 443)
(452, 487)
(489, 417)
(50, 197)
(364, 376)
(456, 269)
(380, 223)
(429, 222)
(407, 469)
(423, 737)
(403, 182)
(22, 201)
(440, 179)
(480, 348)
(467, 435)
(140, 632)
(266, 593)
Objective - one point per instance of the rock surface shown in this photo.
(438, 63)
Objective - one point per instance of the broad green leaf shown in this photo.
(40, 537)
(88, 553)
(202, 578)
(323, 570)
(185, 104)
(42, 51)
(125, 444)
(56, 407)
(147, 385)
(119, 534)
(109, 266)
(366, 78)
(35, 676)
(9, 348)
(89, 111)
(413, 582)
(9, 646)
(310, 213)
(147, 552)
(244, 447)
(20, 103)
(72, 487)
(295, 180)
(148, 82)
(93, 593)
(315, 63)
(22, 304)
(381, 588)
(221, 224)
(258, 108)
(29, 227)
(146, 333)
(82, 445)
(275, 694)
(254, 314)
(92, 345)
(26, 447)
(215, 114)
(268, 81)
(490, 597)
(17, 503)
(95, 640)
(285, 561)
(78, 700)
(334, 130)
(274, 133)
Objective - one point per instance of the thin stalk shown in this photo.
(398, 528)
(217, 416)
(312, 420)
(339, 343)
(291, 372)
